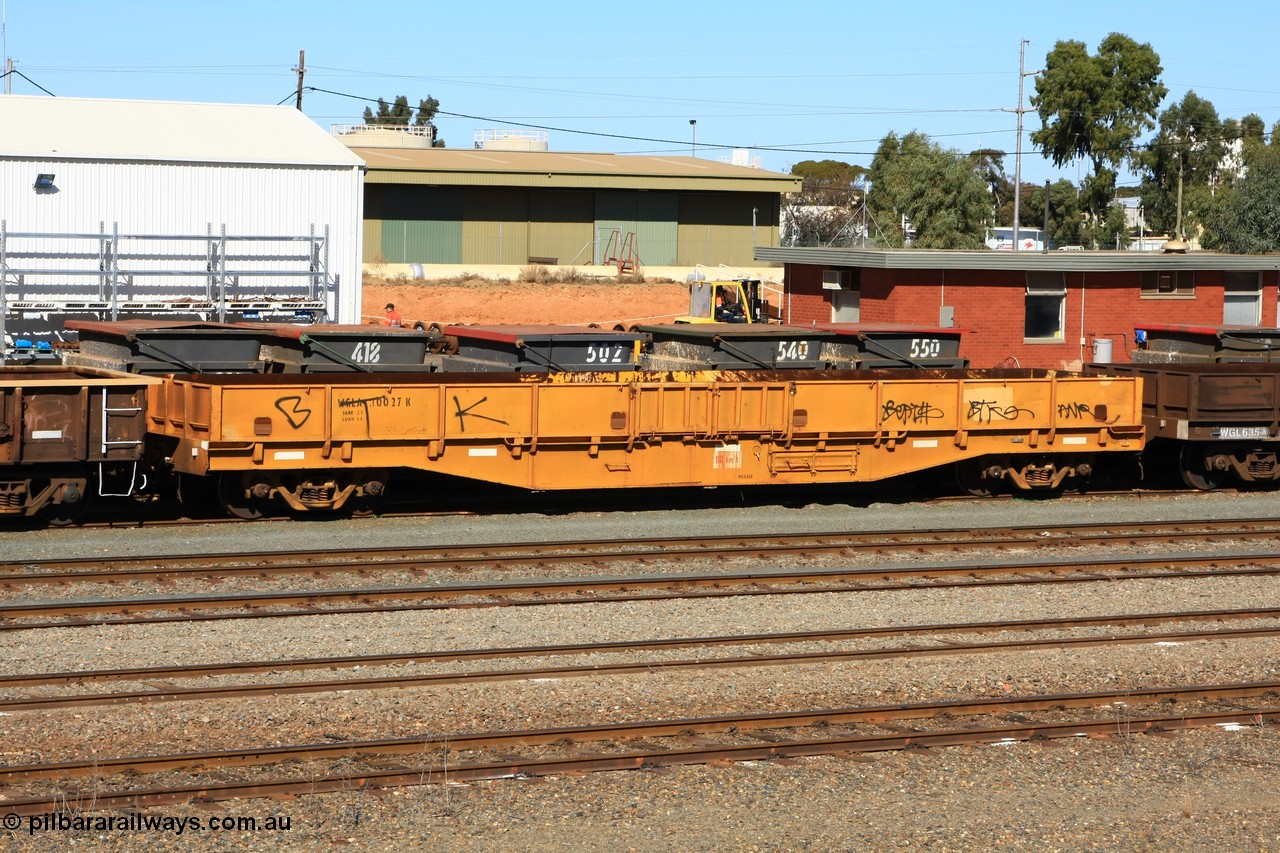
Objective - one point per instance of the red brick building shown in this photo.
(1030, 309)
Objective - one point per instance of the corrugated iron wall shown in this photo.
(511, 225)
(189, 199)
(421, 226)
(651, 216)
(562, 226)
(716, 228)
(495, 225)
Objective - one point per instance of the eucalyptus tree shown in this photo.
(1253, 136)
(1245, 218)
(933, 194)
(1183, 166)
(1095, 107)
(989, 163)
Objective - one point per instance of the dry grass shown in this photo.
(531, 274)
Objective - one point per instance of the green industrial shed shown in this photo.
(484, 206)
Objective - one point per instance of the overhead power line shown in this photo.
(5, 76)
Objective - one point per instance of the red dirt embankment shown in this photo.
(489, 302)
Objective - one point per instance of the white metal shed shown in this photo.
(216, 194)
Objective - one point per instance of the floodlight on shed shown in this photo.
(44, 181)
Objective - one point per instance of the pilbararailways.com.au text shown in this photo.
(138, 822)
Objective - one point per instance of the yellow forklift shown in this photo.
(733, 301)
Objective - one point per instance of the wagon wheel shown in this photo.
(969, 477)
(374, 494)
(1196, 472)
(365, 505)
(65, 514)
(234, 497)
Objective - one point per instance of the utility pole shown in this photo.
(1177, 229)
(1023, 74)
(1044, 236)
(302, 70)
(4, 37)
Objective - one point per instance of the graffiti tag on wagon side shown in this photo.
(293, 411)
(1078, 411)
(469, 412)
(990, 411)
(909, 413)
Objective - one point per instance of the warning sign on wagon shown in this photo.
(728, 456)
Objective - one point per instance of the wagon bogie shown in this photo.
(1207, 466)
(255, 494)
(1047, 474)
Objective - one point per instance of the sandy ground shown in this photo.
(481, 301)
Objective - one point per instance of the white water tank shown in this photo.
(384, 136)
(511, 140)
(1102, 350)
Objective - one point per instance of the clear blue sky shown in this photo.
(819, 80)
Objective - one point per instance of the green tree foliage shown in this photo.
(830, 174)
(400, 113)
(1253, 127)
(1031, 208)
(1246, 216)
(938, 190)
(1066, 219)
(1095, 107)
(989, 164)
(1253, 137)
(1189, 148)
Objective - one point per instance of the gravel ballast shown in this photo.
(1202, 790)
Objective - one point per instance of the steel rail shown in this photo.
(170, 694)
(615, 732)
(208, 670)
(87, 569)
(852, 580)
(631, 760)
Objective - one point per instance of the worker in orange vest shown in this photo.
(393, 316)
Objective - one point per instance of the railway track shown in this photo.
(163, 692)
(541, 592)
(17, 574)
(207, 670)
(374, 764)
(632, 745)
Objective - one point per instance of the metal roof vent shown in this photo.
(1175, 247)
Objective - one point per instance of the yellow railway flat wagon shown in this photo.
(327, 442)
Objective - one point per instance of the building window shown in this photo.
(1169, 283)
(846, 306)
(843, 289)
(1046, 305)
(1242, 299)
